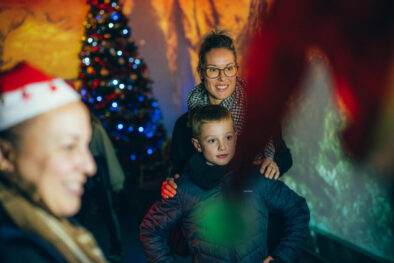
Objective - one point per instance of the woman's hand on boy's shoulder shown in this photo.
(168, 187)
(268, 259)
(269, 168)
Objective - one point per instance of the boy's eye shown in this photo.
(69, 147)
(211, 140)
(229, 137)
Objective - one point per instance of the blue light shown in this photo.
(149, 151)
(115, 82)
(90, 40)
(94, 43)
(137, 61)
(141, 129)
(141, 99)
(83, 92)
(125, 32)
(129, 87)
(98, 17)
(149, 135)
(91, 100)
(113, 4)
(119, 126)
(111, 25)
(133, 157)
(99, 98)
(131, 60)
(131, 128)
(86, 61)
(114, 104)
(115, 16)
(135, 66)
(119, 53)
(154, 104)
(121, 86)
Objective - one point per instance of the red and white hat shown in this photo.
(26, 92)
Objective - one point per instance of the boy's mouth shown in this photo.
(222, 156)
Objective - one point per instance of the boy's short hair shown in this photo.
(207, 114)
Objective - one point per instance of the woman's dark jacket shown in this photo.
(17, 246)
(200, 186)
(182, 148)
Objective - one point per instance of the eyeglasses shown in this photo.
(213, 72)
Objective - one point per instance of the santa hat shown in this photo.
(26, 92)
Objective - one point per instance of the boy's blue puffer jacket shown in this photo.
(218, 231)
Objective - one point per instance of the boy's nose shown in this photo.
(222, 146)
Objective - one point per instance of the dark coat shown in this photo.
(17, 246)
(182, 148)
(260, 197)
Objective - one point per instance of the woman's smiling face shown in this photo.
(55, 157)
(221, 87)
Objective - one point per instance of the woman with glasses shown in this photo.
(220, 84)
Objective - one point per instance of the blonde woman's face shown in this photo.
(55, 157)
(221, 87)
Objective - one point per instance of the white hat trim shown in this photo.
(14, 108)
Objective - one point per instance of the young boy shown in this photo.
(217, 231)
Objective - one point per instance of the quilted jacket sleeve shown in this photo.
(155, 229)
(294, 209)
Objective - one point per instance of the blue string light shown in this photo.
(131, 128)
(115, 82)
(111, 25)
(133, 157)
(86, 61)
(141, 99)
(83, 92)
(125, 31)
(141, 129)
(131, 60)
(119, 126)
(149, 151)
(114, 105)
(135, 66)
(137, 61)
(99, 98)
(115, 16)
(119, 53)
(154, 104)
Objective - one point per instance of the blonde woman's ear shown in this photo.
(7, 156)
(196, 144)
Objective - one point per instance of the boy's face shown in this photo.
(217, 142)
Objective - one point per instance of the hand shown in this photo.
(269, 166)
(268, 259)
(168, 187)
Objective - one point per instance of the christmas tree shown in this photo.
(114, 84)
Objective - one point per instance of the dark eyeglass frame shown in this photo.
(220, 71)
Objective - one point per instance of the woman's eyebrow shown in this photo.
(232, 63)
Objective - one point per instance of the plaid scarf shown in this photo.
(235, 103)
